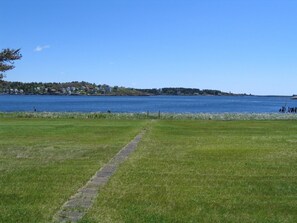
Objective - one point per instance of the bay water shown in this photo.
(137, 104)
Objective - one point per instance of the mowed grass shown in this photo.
(206, 171)
(44, 161)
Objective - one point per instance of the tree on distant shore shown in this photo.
(7, 58)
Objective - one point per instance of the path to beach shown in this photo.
(77, 205)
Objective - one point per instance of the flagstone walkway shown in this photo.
(76, 207)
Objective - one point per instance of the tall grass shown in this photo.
(163, 116)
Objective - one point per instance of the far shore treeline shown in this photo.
(85, 88)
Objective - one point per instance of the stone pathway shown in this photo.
(76, 207)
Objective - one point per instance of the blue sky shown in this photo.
(242, 46)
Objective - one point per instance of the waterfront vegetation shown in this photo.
(156, 115)
(85, 88)
(187, 168)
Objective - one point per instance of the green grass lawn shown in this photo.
(182, 170)
(206, 171)
(44, 161)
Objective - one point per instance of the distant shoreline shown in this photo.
(76, 88)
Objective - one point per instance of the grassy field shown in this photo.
(44, 161)
(182, 170)
(206, 171)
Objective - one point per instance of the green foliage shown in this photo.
(85, 88)
(68, 88)
(7, 58)
(183, 91)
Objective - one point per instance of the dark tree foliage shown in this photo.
(7, 58)
(183, 91)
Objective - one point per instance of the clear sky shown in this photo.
(242, 46)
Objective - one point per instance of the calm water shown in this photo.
(173, 104)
